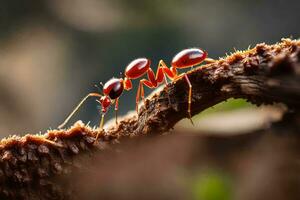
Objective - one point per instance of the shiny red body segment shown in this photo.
(127, 84)
(188, 58)
(113, 88)
(137, 68)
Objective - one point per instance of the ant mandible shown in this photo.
(114, 87)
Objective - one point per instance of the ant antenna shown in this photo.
(78, 106)
(98, 101)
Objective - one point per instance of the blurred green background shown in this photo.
(53, 52)
(211, 185)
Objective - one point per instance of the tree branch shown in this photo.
(33, 167)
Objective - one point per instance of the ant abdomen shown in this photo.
(188, 57)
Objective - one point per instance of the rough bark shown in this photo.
(32, 167)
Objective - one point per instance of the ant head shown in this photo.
(113, 88)
(105, 103)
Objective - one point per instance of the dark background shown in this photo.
(53, 52)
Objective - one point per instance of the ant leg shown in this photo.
(147, 83)
(116, 109)
(190, 97)
(100, 127)
(77, 107)
(137, 99)
(167, 72)
(170, 72)
(151, 83)
(101, 122)
(167, 87)
(166, 80)
(143, 93)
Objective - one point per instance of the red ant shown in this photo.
(114, 87)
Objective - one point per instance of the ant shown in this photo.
(114, 87)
